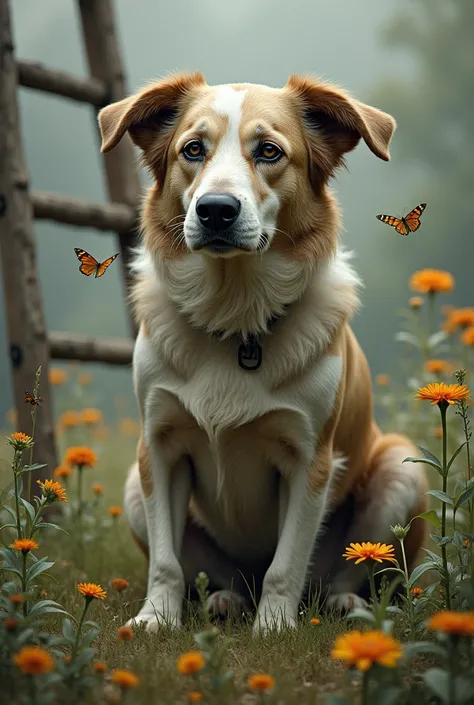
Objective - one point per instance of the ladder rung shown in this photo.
(74, 211)
(86, 90)
(72, 346)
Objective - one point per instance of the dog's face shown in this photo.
(241, 168)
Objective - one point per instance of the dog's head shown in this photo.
(243, 168)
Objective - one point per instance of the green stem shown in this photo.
(23, 582)
(79, 628)
(409, 597)
(36, 517)
(79, 514)
(365, 688)
(33, 427)
(373, 594)
(444, 554)
(16, 464)
(452, 671)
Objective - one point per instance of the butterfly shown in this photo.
(30, 399)
(406, 225)
(89, 265)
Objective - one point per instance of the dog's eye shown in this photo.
(193, 150)
(269, 152)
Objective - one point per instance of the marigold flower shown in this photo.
(119, 584)
(416, 302)
(81, 456)
(33, 660)
(467, 338)
(125, 679)
(85, 378)
(190, 662)
(24, 545)
(70, 419)
(20, 441)
(100, 667)
(10, 624)
(115, 511)
(91, 591)
(416, 591)
(459, 318)
(62, 471)
(466, 543)
(382, 380)
(438, 367)
(375, 551)
(440, 393)
(195, 696)
(97, 489)
(315, 621)
(430, 281)
(17, 599)
(261, 682)
(91, 417)
(363, 649)
(449, 622)
(57, 375)
(52, 491)
(125, 634)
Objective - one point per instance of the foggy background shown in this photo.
(412, 58)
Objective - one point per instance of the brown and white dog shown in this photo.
(259, 459)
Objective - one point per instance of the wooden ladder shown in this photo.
(30, 345)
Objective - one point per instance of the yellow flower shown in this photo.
(52, 491)
(57, 375)
(416, 302)
(416, 591)
(91, 417)
(438, 367)
(429, 281)
(69, 419)
(125, 634)
(195, 696)
(115, 511)
(125, 679)
(20, 440)
(97, 489)
(119, 584)
(85, 378)
(261, 682)
(190, 662)
(459, 623)
(382, 380)
(100, 667)
(459, 318)
(81, 456)
(62, 471)
(467, 338)
(375, 551)
(363, 649)
(440, 393)
(24, 545)
(315, 621)
(91, 591)
(33, 660)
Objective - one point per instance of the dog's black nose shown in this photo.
(217, 211)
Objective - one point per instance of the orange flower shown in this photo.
(115, 511)
(100, 667)
(438, 367)
(69, 419)
(459, 318)
(57, 375)
(466, 543)
(261, 682)
(429, 281)
(362, 650)
(125, 679)
(91, 591)
(20, 440)
(81, 456)
(24, 545)
(195, 696)
(10, 624)
(85, 378)
(91, 417)
(416, 591)
(375, 551)
(440, 393)
(17, 599)
(190, 662)
(382, 380)
(125, 634)
(119, 584)
(33, 660)
(459, 623)
(416, 302)
(438, 432)
(467, 338)
(52, 491)
(62, 471)
(97, 489)
(315, 621)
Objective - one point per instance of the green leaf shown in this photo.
(465, 495)
(425, 461)
(429, 456)
(386, 694)
(455, 454)
(419, 571)
(68, 629)
(441, 540)
(7, 526)
(37, 568)
(48, 525)
(436, 338)
(403, 337)
(431, 517)
(45, 607)
(29, 508)
(31, 468)
(437, 681)
(89, 637)
(332, 699)
(434, 556)
(361, 613)
(414, 648)
(11, 560)
(442, 496)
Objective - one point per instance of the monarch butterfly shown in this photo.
(406, 225)
(89, 265)
(30, 399)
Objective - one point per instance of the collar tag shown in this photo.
(250, 354)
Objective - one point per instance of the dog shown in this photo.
(259, 459)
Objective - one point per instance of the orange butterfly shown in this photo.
(89, 265)
(406, 225)
(30, 399)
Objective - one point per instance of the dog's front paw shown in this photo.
(223, 603)
(344, 602)
(158, 612)
(275, 613)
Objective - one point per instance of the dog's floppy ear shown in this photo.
(149, 116)
(335, 122)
